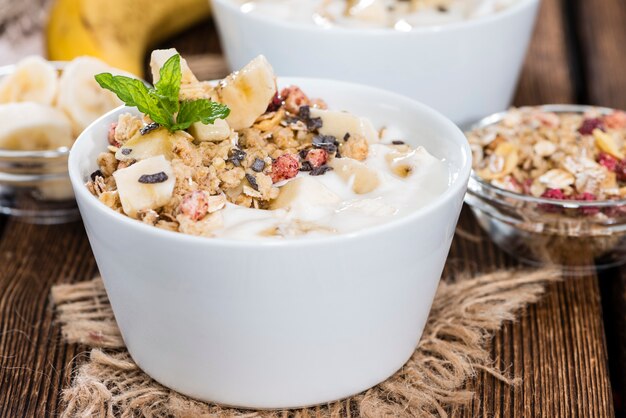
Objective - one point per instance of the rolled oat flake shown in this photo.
(159, 177)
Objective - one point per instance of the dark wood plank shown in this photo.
(34, 362)
(557, 347)
(602, 39)
(547, 75)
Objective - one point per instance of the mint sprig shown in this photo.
(161, 103)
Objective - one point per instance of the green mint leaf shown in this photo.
(134, 92)
(168, 86)
(202, 110)
(162, 102)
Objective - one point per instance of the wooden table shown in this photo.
(565, 350)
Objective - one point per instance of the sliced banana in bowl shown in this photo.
(43, 107)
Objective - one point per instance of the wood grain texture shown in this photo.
(602, 40)
(547, 74)
(601, 37)
(557, 348)
(34, 363)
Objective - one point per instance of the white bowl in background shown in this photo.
(466, 70)
(271, 323)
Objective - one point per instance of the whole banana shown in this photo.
(117, 31)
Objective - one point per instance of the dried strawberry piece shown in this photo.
(285, 167)
(317, 157)
(111, 135)
(294, 98)
(590, 125)
(608, 161)
(195, 205)
(616, 120)
(587, 197)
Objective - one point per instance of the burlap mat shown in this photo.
(465, 314)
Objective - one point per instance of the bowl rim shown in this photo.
(566, 204)
(513, 9)
(61, 152)
(455, 189)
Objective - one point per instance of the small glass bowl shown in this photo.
(35, 185)
(578, 236)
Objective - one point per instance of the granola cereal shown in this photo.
(573, 158)
(280, 164)
(564, 156)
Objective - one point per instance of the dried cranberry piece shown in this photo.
(588, 211)
(275, 103)
(556, 194)
(620, 170)
(589, 125)
(608, 161)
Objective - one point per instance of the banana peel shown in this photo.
(118, 32)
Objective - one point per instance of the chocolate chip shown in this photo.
(318, 171)
(326, 142)
(148, 128)
(303, 153)
(258, 165)
(346, 136)
(159, 177)
(304, 112)
(126, 151)
(397, 142)
(306, 166)
(252, 180)
(95, 174)
(236, 156)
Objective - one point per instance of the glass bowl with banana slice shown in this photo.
(44, 106)
(549, 184)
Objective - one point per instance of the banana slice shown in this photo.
(157, 60)
(361, 178)
(374, 11)
(34, 80)
(248, 92)
(338, 124)
(216, 132)
(305, 194)
(33, 126)
(157, 142)
(81, 97)
(147, 184)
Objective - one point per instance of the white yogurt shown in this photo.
(399, 15)
(328, 204)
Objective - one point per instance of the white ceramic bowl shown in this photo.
(465, 70)
(270, 323)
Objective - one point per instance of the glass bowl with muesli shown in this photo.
(549, 184)
(258, 258)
